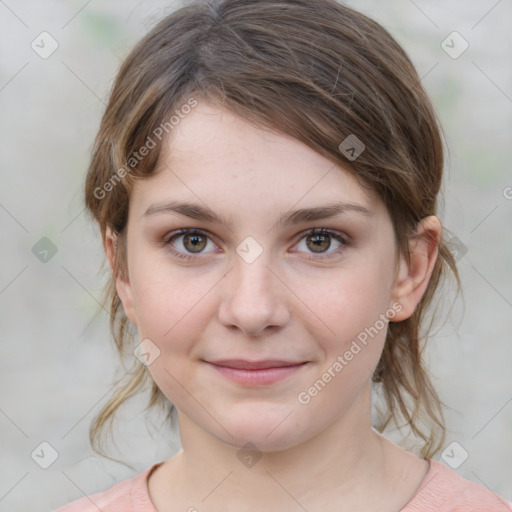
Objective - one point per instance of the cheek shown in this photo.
(351, 309)
(353, 335)
(173, 312)
(169, 302)
(349, 303)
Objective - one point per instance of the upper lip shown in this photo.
(254, 365)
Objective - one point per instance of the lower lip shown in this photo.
(263, 376)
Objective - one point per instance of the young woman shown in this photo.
(265, 179)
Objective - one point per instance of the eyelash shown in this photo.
(315, 231)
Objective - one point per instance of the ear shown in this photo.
(123, 287)
(412, 279)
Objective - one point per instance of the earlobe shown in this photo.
(412, 279)
(123, 286)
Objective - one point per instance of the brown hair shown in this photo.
(319, 72)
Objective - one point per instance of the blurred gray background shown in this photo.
(58, 362)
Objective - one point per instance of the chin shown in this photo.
(267, 431)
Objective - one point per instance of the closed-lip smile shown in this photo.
(255, 373)
(242, 364)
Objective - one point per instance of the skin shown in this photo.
(289, 303)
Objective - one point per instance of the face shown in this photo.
(308, 295)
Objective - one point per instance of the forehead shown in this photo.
(216, 157)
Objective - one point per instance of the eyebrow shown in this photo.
(203, 213)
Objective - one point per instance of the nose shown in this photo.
(254, 298)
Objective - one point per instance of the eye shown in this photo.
(194, 241)
(319, 241)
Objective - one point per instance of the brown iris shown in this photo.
(321, 243)
(197, 242)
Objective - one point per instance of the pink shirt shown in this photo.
(442, 490)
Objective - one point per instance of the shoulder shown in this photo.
(444, 490)
(130, 494)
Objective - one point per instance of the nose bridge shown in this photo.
(254, 278)
(253, 269)
(254, 298)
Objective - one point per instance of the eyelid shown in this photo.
(188, 231)
(340, 236)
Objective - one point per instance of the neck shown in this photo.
(338, 462)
